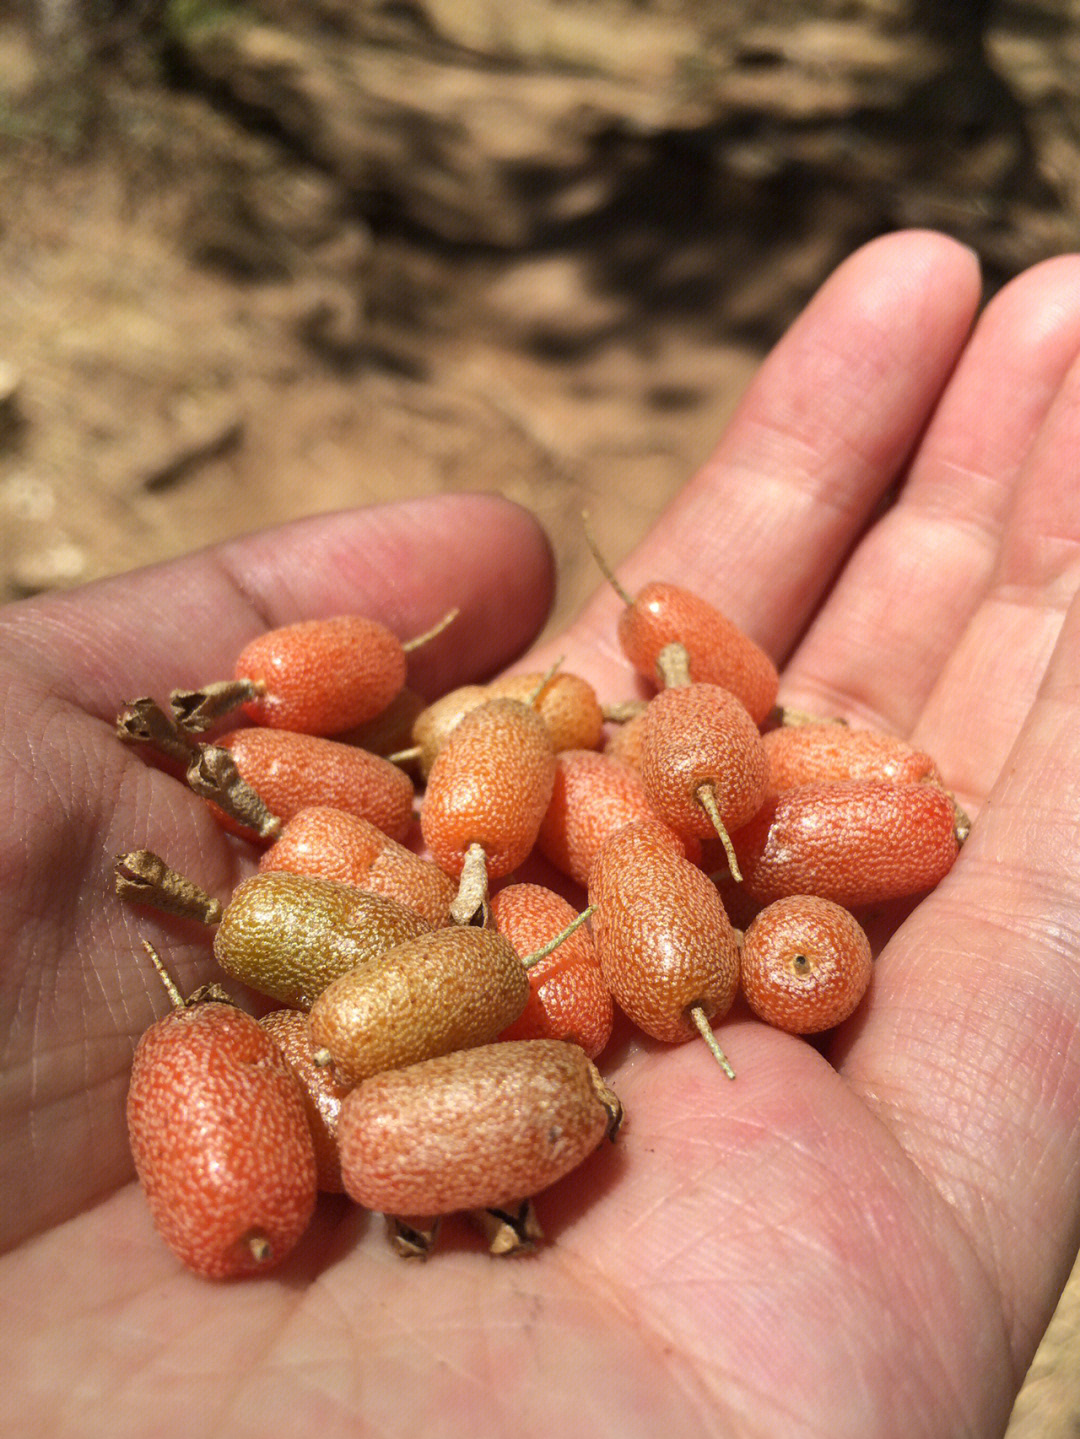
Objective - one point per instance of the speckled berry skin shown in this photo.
(490, 785)
(824, 753)
(565, 702)
(452, 989)
(568, 998)
(720, 653)
(289, 935)
(701, 734)
(322, 1093)
(664, 941)
(220, 1140)
(323, 676)
(291, 771)
(856, 842)
(333, 844)
(593, 795)
(473, 1130)
(806, 964)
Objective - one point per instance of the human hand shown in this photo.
(863, 1241)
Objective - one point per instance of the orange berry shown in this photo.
(856, 842)
(719, 652)
(625, 740)
(333, 844)
(695, 735)
(434, 725)
(822, 752)
(805, 965)
(220, 1140)
(665, 944)
(291, 771)
(593, 795)
(322, 676)
(568, 998)
(478, 1129)
(322, 1093)
(567, 704)
(490, 786)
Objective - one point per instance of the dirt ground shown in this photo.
(150, 405)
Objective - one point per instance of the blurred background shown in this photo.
(259, 260)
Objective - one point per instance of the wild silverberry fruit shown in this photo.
(290, 935)
(666, 947)
(333, 844)
(452, 989)
(220, 1140)
(856, 842)
(478, 1129)
(820, 753)
(568, 997)
(805, 964)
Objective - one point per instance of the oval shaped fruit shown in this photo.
(568, 998)
(289, 935)
(220, 1140)
(805, 964)
(490, 786)
(566, 703)
(695, 735)
(719, 652)
(290, 771)
(821, 753)
(665, 944)
(451, 989)
(477, 1129)
(856, 842)
(322, 1094)
(322, 676)
(594, 795)
(333, 844)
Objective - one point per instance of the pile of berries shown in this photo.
(438, 1025)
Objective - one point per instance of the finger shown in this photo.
(908, 592)
(977, 707)
(183, 623)
(820, 436)
(970, 1049)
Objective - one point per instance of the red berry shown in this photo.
(220, 1140)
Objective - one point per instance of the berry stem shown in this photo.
(175, 997)
(436, 629)
(697, 1014)
(143, 721)
(673, 666)
(553, 944)
(605, 568)
(213, 774)
(706, 797)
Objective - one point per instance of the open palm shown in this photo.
(865, 1241)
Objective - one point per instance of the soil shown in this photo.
(202, 332)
